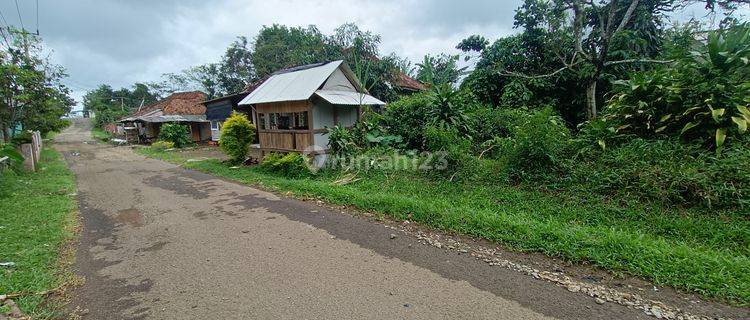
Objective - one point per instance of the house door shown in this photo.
(195, 132)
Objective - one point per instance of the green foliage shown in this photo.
(24, 136)
(369, 132)
(693, 250)
(439, 70)
(38, 213)
(236, 136)
(446, 107)
(100, 134)
(177, 134)
(487, 124)
(162, 145)
(107, 116)
(341, 141)
(109, 105)
(664, 172)
(33, 96)
(15, 159)
(290, 165)
(406, 117)
(537, 143)
(704, 95)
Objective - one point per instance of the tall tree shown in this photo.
(31, 92)
(440, 69)
(597, 37)
(236, 69)
(278, 47)
(592, 27)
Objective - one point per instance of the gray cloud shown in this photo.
(121, 42)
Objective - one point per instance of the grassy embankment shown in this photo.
(37, 222)
(685, 248)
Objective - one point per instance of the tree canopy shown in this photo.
(33, 96)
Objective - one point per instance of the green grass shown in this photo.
(37, 220)
(100, 134)
(691, 250)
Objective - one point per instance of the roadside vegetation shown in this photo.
(100, 134)
(645, 175)
(37, 221)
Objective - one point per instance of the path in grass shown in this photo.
(37, 219)
(690, 250)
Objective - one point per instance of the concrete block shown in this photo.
(29, 161)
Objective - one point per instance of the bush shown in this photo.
(341, 141)
(290, 165)
(406, 117)
(107, 116)
(537, 143)
(666, 172)
(177, 134)
(236, 136)
(24, 136)
(15, 159)
(704, 96)
(162, 145)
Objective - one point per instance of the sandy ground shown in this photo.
(162, 242)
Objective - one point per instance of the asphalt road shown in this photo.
(162, 242)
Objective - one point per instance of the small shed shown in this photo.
(182, 107)
(295, 106)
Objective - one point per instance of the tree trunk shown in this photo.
(591, 100)
(4, 133)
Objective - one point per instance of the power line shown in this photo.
(19, 16)
(4, 21)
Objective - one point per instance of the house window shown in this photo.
(284, 121)
(300, 121)
(215, 125)
(273, 120)
(262, 121)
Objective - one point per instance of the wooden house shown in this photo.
(219, 109)
(295, 106)
(187, 108)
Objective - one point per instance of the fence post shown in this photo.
(36, 143)
(29, 161)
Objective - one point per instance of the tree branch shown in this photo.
(610, 63)
(627, 16)
(521, 75)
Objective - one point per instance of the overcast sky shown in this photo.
(127, 41)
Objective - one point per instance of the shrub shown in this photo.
(666, 172)
(290, 165)
(406, 117)
(162, 145)
(236, 136)
(21, 138)
(536, 144)
(341, 141)
(177, 134)
(15, 159)
(703, 95)
(490, 125)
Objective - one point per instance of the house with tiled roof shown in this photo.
(187, 108)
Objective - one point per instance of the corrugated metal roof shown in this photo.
(293, 84)
(348, 98)
(173, 118)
